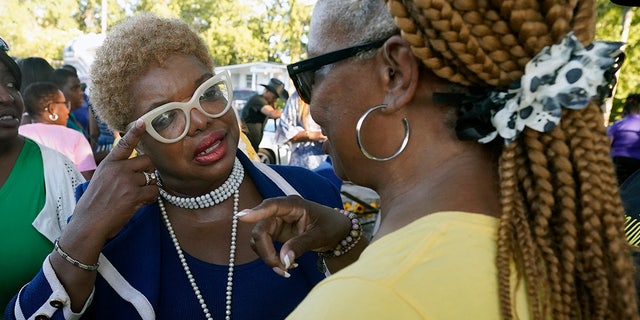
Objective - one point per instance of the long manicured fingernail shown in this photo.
(290, 256)
(243, 213)
(287, 262)
(281, 272)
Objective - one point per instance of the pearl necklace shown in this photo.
(212, 198)
(187, 270)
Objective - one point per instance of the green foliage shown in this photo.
(235, 31)
(34, 28)
(284, 25)
(609, 27)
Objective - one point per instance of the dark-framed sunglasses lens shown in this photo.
(3, 45)
(304, 85)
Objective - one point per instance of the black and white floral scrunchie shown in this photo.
(566, 74)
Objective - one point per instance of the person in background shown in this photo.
(49, 112)
(625, 139)
(479, 124)
(155, 236)
(34, 69)
(81, 113)
(260, 107)
(69, 83)
(297, 127)
(37, 189)
(101, 136)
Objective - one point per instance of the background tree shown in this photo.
(235, 31)
(230, 38)
(38, 27)
(285, 26)
(609, 27)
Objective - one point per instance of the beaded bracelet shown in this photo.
(346, 244)
(73, 261)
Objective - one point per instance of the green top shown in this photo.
(22, 247)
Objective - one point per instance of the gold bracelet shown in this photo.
(73, 261)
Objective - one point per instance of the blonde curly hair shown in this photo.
(562, 221)
(129, 50)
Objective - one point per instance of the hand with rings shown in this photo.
(118, 188)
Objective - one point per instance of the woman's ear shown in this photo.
(50, 113)
(53, 108)
(401, 72)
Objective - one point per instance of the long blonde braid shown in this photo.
(562, 221)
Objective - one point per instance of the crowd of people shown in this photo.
(479, 124)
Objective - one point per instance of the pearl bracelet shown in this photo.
(73, 261)
(346, 244)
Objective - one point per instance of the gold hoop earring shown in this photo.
(53, 117)
(359, 140)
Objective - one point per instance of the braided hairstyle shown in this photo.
(562, 222)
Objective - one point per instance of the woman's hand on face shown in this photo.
(118, 187)
(300, 224)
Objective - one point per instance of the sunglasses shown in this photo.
(170, 122)
(303, 73)
(3, 45)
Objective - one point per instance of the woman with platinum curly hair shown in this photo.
(155, 236)
(479, 124)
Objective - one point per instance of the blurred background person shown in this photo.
(69, 83)
(37, 189)
(260, 107)
(49, 112)
(81, 113)
(102, 138)
(34, 69)
(625, 139)
(304, 135)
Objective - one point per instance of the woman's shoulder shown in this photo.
(311, 185)
(75, 134)
(53, 158)
(291, 180)
(302, 176)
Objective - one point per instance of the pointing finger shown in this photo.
(128, 143)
